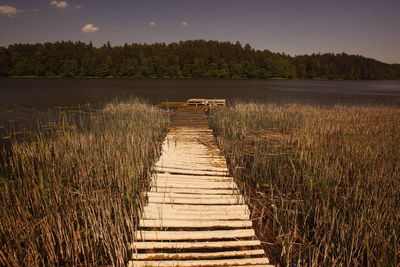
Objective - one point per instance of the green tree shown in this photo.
(196, 58)
(69, 68)
(3, 61)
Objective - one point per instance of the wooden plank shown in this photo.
(184, 150)
(196, 196)
(198, 208)
(196, 191)
(192, 178)
(188, 146)
(198, 255)
(202, 212)
(190, 167)
(203, 263)
(197, 164)
(204, 185)
(190, 129)
(189, 263)
(206, 159)
(181, 200)
(195, 245)
(168, 186)
(194, 224)
(169, 170)
(174, 145)
(191, 215)
(169, 175)
(203, 182)
(177, 148)
(193, 235)
(194, 216)
(188, 134)
(205, 156)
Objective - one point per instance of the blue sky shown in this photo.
(367, 27)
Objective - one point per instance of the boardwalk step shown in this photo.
(204, 212)
(195, 245)
(181, 200)
(198, 208)
(198, 255)
(194, 224)
(215, 162)
(154, 215)
(193, 184)
(198, 181)
(202, 156)
(212, 179)
(193, 177)
(193, 235)
(202, 196)
(187, 263)
(193, 167)
(196, 191)
(169, 170)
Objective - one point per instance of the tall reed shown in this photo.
(324, 183)
(72, 197)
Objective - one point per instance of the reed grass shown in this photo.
(324, 182)
(72, 195)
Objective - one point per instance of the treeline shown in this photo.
(186, 59)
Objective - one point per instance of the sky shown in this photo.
(363, 27)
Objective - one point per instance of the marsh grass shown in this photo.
(324, 183)
(71, 195)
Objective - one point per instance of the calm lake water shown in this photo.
(23, 100)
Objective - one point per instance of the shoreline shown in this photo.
(184, 78)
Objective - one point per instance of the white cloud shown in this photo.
(90, 28)
(9, 11)
(79, 6)
(184, 23)
(152, 23)
(59, 4)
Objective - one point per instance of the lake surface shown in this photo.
(23, 100)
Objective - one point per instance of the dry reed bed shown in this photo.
(324, 183)
(72, 197)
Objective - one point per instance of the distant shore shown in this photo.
(198, 59)
(185, 78)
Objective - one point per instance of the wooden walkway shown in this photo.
(195, 214)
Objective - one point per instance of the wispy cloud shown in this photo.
(9, 11)
(90, 28)
(79, 6)
(184, 23)
(59, 4)
(152, 23)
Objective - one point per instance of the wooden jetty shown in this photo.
(195, 102)
(195, 215)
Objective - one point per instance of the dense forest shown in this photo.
(186, 59)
